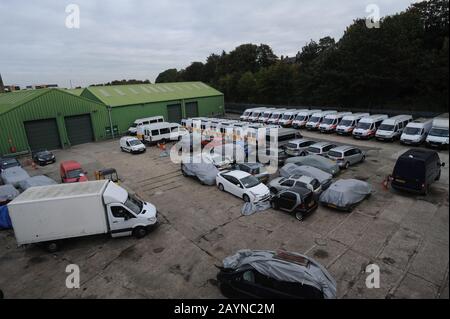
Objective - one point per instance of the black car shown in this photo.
(274, 275)
(297, 200)
(8, 162)
(416, 170)
(43, 157)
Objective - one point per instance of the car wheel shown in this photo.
(122, 149)
(221, 188)
(52, 247)
(299, 216)
(273, 190)
(303, 154)
(139, 232)
(438, 177)
(347, 165)
(363, 158)
(246, 198)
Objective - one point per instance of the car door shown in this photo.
(287, 201)
(236, 187)
(356, 156)
(121, 220)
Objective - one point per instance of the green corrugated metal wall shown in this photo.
(124, 116)
(54, 104)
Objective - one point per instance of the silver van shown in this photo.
(345, 156)
(299, 147)
(320, 148)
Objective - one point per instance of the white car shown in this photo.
(219, 161)
(132, 145)
(242, 185)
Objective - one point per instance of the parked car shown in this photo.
(345, 156)
(242, 185)
(8, 162)
(204, 172)
(320, 148)
(299, 147)
(324, 178)
(297, 200)
(72, 172)
(278, 155)
(269, 275)
(256, 169)
(416, 170)
(49, 214)
(345, 194)
(43, 157)
(320, 162)
(282, 183)
(132, 145)
(14, 175)
(438, 136)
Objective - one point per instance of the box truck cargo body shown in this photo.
(51, 213)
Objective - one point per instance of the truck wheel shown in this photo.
(139, 232)
(246, 198)
(299, 216)
(52, 247)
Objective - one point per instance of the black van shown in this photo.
(416, 170)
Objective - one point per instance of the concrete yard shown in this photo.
(406, 236)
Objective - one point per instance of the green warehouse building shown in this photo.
(56, 118)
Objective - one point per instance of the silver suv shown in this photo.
(345, 156)
(298, 147)
(321, 148)
(282, 183)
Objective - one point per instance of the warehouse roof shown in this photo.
(76, 92)
(9, 101)
(119, 95)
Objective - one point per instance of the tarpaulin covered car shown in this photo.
(35, 181)
(324, 178)
(345, 194)
(316, 161)
(7, 193)
(14, 176)
(205, 172)
(269, 274)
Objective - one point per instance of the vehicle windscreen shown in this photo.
(275, 116)
(346, 123)
(134, 125)
(314, 150)
(387, 127)
(75, 173)
(247, 113)
(328, 121)
(300, 117)
(364, 126)
(134, 204)
(291, 145)
(413, 131)
(439, 132)
(286, 117)
(335, 154)
(409, 169)
(250, 182)
(135, 142)
(9, 163)
(315, 184)
(315, 119)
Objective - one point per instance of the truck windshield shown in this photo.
(300, 118)
(439, 132)
(328, 121)
(413, 131)
(287, 117)
(135, 142)
(315, 119)
(134, 125)
(134, 204)
(346, 123)
(386, 127)
(364, 126)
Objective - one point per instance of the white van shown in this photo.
(256, 114)
(393, 127)
(349, 122)
(276, 116)
(438, 136)
(266, 115)
(140, 122)
(132, 145)
(303, 117)
(368, 126)
(330, 123)
(162, 132)
(416, 132)
(316, 119)
(289, 117)
(247, 113)
(188, 123)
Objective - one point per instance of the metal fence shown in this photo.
(239, 108)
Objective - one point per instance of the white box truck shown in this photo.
(50, 214)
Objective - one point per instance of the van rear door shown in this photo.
(409, 173)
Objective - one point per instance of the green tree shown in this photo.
(170, 75)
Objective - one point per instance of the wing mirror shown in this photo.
(443, 164)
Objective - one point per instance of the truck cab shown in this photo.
(72, 172)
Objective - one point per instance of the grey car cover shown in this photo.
(206, 173)
(345, 193)
(253, 207)
(288, 170)
(263, 261)
(34, 181)
(8, 193)
(14, 175)
(316, 161)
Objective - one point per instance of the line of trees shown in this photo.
(403, 64)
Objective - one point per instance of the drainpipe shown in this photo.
(110, 122)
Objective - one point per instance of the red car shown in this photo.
(71, 172)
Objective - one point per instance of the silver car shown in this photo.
(345, 156)
(282, 183)
(299, 147)
(320, 148)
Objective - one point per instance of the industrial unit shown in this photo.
(60, 118)
(126, 103)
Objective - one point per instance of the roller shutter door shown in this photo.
(42, 134)
(191, 109)
(79, 129)
(174, 112)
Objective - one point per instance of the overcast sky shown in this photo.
(140, 38)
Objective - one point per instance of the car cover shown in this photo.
(251, 208)
(5, 220)
(292, 169)
(345, 193)
(14, 175)
(8, 193)
(316, 161)
(312, 274)
(34, 181)
(206, 173)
